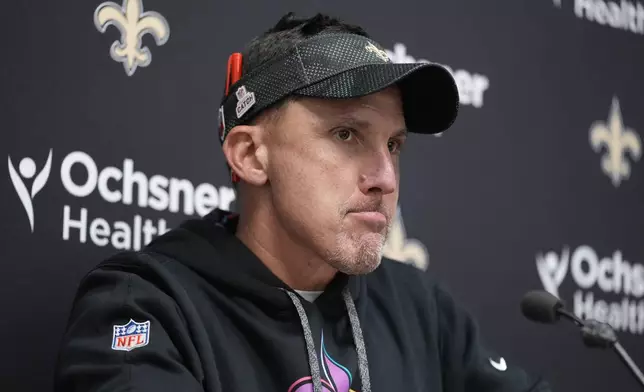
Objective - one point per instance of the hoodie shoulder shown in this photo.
(135, 262)
(132, 291)
(465, 359)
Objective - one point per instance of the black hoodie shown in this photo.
(196, 310)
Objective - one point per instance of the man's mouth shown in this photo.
(373, 218)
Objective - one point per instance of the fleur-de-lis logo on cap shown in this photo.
(133, 24)
(378, 52)
(618, 140)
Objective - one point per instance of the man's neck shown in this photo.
(294, 264)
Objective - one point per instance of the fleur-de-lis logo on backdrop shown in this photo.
(618, 141)
(26, 170)
(398, 247)
(133, 24)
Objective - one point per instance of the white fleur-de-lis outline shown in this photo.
(133, 24)
(618, 141)
(26, 197)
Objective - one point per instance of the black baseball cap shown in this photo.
(343, 65)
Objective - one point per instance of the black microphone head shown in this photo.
(541, 306)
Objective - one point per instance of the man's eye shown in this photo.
(344, 134)
(394, 146)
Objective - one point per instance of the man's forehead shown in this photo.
(324, 114)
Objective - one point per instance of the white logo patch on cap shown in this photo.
(245, 100)
(378, 52)
(130, 336)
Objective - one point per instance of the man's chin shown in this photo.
(363, 260)
(363, 269)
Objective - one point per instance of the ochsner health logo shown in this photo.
(26, 171)
(622, 15)
(121, 184)
(595, 275)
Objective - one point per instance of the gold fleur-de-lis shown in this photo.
(133, 24)
(398, 247)
(618, 141)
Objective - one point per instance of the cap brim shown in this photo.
(429, 92)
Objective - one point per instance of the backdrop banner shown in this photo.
(109, 119)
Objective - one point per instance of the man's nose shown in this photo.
(378, 174)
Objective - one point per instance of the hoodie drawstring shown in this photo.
(363, 363)
(361, 349)
(310, 344)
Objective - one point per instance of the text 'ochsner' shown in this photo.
(127, 186)
(595, 277)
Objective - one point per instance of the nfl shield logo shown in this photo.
(130, 336)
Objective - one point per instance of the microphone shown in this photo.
(542, 307)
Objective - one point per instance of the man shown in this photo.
(292, 294)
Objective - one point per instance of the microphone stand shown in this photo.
(602, 335)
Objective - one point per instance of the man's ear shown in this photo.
(246, 154)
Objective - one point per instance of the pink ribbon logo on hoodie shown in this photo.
(335, 377)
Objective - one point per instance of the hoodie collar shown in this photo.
(209, 246)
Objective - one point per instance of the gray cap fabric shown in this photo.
(339, 65)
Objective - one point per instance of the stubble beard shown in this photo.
(357, 254)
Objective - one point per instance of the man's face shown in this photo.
(333, 174)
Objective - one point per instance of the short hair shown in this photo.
(288, 32)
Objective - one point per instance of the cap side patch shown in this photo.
(245, 100)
